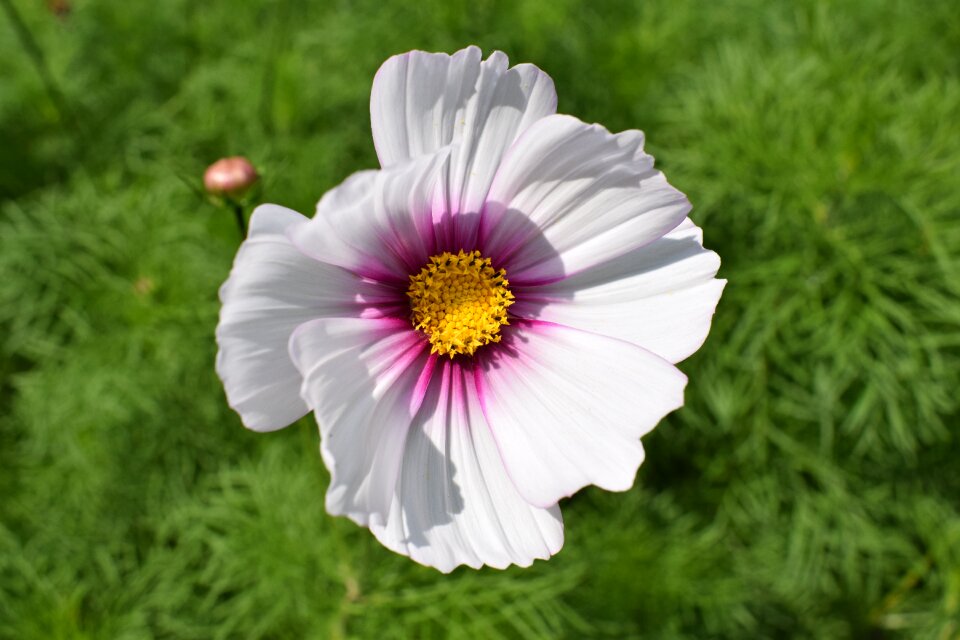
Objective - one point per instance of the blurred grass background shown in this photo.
(809, 489)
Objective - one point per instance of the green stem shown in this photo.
(241, 218)
(906, 584)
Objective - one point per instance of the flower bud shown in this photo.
(59, 8)
(230, 177)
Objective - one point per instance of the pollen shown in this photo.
(460, 302)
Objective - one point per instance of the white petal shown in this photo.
(454, 503)
(567, 408)
(418, 102)
(421, 102)
(347, 195)
(661, 296)
(380, 224)
(272, 289)
(506, 104)
(363, 379)
(592, 195)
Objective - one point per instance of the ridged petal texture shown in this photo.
(462, 461)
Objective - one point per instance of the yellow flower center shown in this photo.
(460, 301)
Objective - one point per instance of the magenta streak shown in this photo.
(423, 384)
(480, 386)
(396, 246)
(401, 355)
(444, 407)
(371, 271)
(454, 377)
(381, 311)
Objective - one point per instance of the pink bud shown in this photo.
(230, 177)
(59, 8)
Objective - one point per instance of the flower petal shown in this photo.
(422, 102)
(272, 289)
(592, 194)
(455, 503)
(365, 379)
(418, 102)
(567, 407)
(660, 297)
(380, 224)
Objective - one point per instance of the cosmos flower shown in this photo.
(483, 326)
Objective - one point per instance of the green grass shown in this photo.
(810, 487)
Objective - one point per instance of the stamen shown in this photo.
(460, 301)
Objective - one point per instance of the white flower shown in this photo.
(483, 326)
